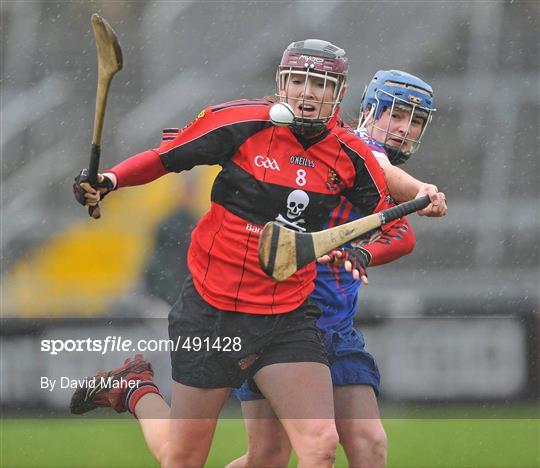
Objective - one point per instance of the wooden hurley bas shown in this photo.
(109, 57)
(282, 251)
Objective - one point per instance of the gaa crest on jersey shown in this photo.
(266, 162)
(333, 181)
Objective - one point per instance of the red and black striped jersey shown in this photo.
(268, 173)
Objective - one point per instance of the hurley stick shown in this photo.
(282, 251)
(109, 57)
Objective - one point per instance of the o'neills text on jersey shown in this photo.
(301, 161)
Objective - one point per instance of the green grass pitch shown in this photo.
(414, 443)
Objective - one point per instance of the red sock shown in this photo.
(136, 393)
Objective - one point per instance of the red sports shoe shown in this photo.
(112, 389)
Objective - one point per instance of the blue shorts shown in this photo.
(350, 364)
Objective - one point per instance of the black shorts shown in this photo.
(214, 348)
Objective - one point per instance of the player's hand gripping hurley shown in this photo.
(282, 251)
(109, 57)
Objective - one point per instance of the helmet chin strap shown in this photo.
(363, 120)
(396, 156)
(308, 126)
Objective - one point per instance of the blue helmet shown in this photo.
(394, 89)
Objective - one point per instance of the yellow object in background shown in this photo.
(80, 270)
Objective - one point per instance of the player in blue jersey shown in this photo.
(396, 110)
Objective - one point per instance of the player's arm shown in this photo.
(375, 179)
(386, 246)
(139, 169)
(369, 193)
(389, 245)
(405, 187)
(210, 139)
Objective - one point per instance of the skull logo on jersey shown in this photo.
(297, 202)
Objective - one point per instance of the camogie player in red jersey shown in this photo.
(396, 111)
(265, 329)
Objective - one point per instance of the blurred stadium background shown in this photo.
(455, 326)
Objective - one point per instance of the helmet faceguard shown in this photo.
(312, 58)
(391, 90)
